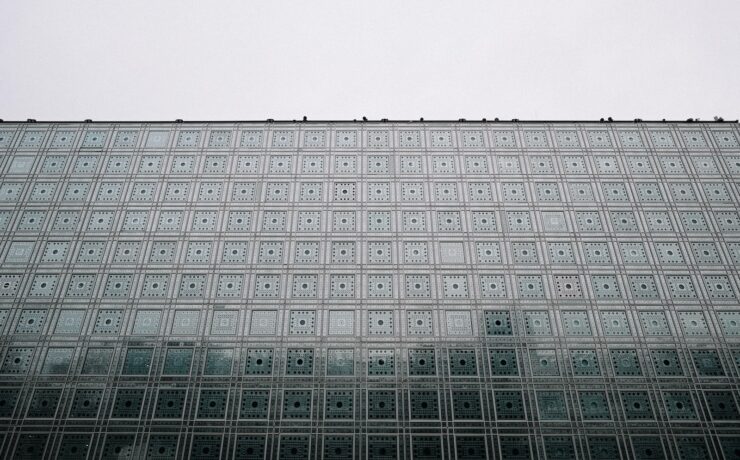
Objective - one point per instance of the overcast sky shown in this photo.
(228, 60)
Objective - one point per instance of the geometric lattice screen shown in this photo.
(369, 290)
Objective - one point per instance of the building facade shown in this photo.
(369, 290)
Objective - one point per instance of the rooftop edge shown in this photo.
(718, 120)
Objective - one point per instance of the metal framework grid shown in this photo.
(387, 290)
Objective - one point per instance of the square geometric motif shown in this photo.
(264, 322)
(341, 322)
(224, 322)
(420, 322)
(459, 323)
(302, 322)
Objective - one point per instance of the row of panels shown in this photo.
(645, 193)
(427, 445)
(246, 136)
(329, 251)
(567, 286)
(535, 163)
(421, 404)
(140, 362)
(384, 322)
(169, 220)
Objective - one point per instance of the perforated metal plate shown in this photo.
(450, 290)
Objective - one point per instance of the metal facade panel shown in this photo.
(384, 290)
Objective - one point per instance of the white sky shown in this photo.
(226, 60)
